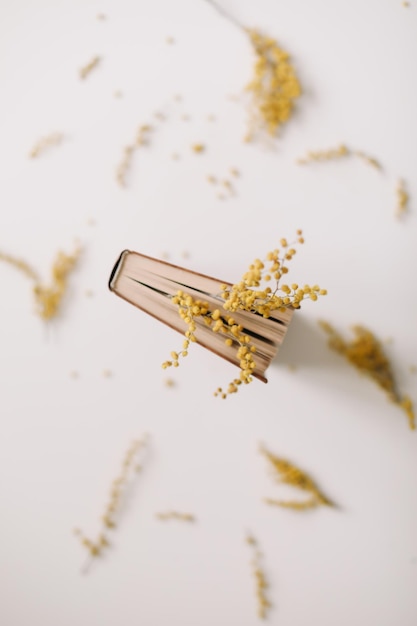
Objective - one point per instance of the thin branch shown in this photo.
(225, 14)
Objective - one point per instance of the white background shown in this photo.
(62, 440)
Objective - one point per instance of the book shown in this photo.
(150, 284)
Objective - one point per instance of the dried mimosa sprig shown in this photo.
(114, 504)
(86, 70)
(368, 159)
(324, 155)
(253, 294)
(342, 151)
(366, 353)
(287, 473)
(41, 146)
(261, 583)
(274, 86)
(177, 515)
(142, 139)
(20, 265)
(189, 309)
(402, 198)
(47, 298)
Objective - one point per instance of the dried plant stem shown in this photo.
(324, 155)
(20, 265)
(226, 15)
(261, 583)
(341, 151)
(86, 70)
(177, 515)
(366, 353)
(274, 86)
(289, 474)
(54, 139)
(47, 298)
(369, 160)
(112, 509)
(142, 139)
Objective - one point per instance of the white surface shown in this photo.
(62, 440)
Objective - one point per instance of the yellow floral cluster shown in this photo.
(189, 309)
(365, 353)
(289, 474)
(274, 86)
(260, 578)
(243, 297)
(247, 295)
(118, 488)
(47, 299)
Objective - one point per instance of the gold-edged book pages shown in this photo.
(149, 284)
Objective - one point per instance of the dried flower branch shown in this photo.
(289, 474)
(324, 155)
(274, 86)
(340, 152)
(225, 14)
(365, 353)
(47, 299)
(142, 139)
(20, 265)
(54, 139)
(86, 70)
(112, 509)
(261, 583)
(250, 294)
(369, 160)
(184, 517)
